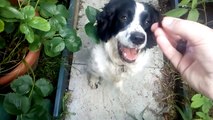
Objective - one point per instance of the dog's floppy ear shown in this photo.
(106, 18)
(155, 17)
(104, 21)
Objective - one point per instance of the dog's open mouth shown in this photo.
(128, 54)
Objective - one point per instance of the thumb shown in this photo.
(187, 30)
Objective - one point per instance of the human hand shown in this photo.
(196, 63)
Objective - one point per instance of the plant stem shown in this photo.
(37, 4)
(19, 3)
(204, 9)
(9, 56)
(28, 2)
(2, 94)
(209, 22)
(31, 70)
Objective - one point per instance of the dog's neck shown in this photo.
(122, 68)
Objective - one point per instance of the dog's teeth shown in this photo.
(125, 54)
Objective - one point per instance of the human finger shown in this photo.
(173, 39)
(166, 46)
(154, 26)
(188, 30)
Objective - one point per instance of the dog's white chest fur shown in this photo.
(104, 64)
(126, 39)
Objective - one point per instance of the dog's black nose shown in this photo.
(137, 38)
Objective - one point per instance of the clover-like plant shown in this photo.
(184, 7)
(43, 23)
(29, 98)
(190, 9)
(203, 104)
(90, 27)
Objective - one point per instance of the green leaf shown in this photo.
(24, 28)
(11, 12)
(197, 104)
(178, 12)
(16, 104)
(184, 2)
(43, 87)
(73, 43)
(39, 23)
(54, 47)
(61, 20)
(41, 109)
(9, 27)
(201, 114)
(46, 104)
(29, 34)
(196, 97)
(193, 15)
(48, 51)
(184, 117)
(48, 9)
(206, 107)
(91, 13)
(50, 34)
(36, 44)
(36, 98)
(197, 101)
(28, 12)
(66, 31)
(9, 20)
(62, 10)
(91, 31)
(22, 85)
(57, 44)
(57, 22)
(36, 113)
(4, 3)
(188, 111)
(3, 113)
(194, 4)
(1, 25)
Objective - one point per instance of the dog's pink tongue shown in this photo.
(130, 53)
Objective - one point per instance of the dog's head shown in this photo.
(128, 24)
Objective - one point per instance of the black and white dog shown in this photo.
(124, 29)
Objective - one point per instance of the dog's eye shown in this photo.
(124, 18)
(147, 22)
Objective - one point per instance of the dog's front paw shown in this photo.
(94, 82)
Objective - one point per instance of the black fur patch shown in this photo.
(109, 22)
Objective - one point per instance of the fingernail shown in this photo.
(167, 21)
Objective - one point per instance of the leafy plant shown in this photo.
(90, 27)
(186, 113)
(42, 23)
(33, 25)
(189, 8)
(204, 105)
(200, 104)
(60, 35)
(26, 17)
(28, 99)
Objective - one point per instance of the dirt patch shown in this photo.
(165, 5)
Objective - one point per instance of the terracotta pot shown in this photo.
(15, 2)
(22, 68)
